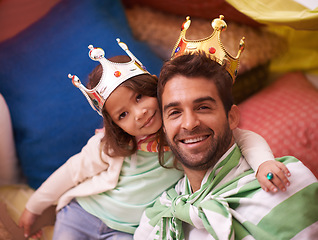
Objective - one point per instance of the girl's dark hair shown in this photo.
(196, 64)
(116, 142)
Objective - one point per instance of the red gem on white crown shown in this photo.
(212, 50)
(117, 74)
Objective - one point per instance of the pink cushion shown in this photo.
(286, 115)
(8, 157)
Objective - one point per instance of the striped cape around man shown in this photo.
(231, 205)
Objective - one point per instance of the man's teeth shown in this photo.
(194, 140)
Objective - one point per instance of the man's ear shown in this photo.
(234, 117)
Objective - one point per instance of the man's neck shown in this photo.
(196, 176)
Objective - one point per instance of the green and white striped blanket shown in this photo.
(232, 205)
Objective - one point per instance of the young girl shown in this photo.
(103, 190)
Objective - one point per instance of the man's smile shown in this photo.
(194, 139)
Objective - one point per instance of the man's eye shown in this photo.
(173, 113)
(122, 115)
(138, 97)
(203, 107)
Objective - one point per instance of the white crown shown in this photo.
(113, 75)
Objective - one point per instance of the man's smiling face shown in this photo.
(196, 125)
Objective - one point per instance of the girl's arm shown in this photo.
(75, 170)
(260, 157)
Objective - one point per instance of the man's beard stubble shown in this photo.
(217, 148)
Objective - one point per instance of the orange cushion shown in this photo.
(15, 197)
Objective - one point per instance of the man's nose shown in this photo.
(190, 120)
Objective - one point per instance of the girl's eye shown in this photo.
(138, 97)
(122, 115)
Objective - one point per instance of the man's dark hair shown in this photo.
(198, 64)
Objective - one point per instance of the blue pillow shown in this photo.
(51, 118)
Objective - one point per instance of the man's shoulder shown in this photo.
(287, 159)
(296, 165)
(297, 168)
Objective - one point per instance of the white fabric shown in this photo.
(254, 205)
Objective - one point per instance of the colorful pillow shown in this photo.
(51, 118)
(286, 115)
(200, 8)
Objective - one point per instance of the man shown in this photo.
(219, 197)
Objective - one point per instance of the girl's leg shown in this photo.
(74, 223)
(111, 234)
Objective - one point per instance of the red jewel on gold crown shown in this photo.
(211, 45)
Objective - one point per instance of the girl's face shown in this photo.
(136, 114)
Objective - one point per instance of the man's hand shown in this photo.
(279, 180)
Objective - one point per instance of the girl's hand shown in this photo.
(26, 220)
(279, 180)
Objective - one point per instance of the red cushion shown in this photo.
(286, 115)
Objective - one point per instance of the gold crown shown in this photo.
(211, 45)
